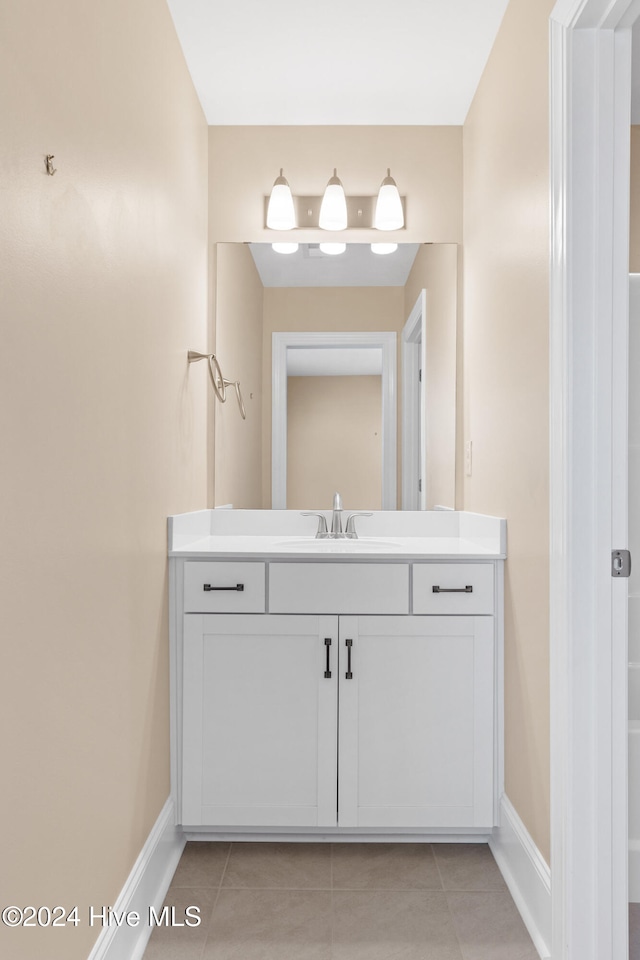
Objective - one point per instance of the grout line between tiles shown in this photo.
(435, 857)
(331, 864)
(224, 870)
(328, 889)
(215, 903)
(390, 889)
(446, 900)
(331, 905)
(297, 889)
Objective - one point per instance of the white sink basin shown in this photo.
(361, 544)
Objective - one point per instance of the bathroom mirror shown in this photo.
(348, 369)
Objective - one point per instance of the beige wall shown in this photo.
(103, 426)
(425, 161)
(435, 269)
(334, 442)
(634, 232)
(318, 309)
(238, 442)
(506, 357)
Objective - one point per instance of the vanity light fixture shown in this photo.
(383, 248)
(281, 214)
(333, 249)
(284, 247)
(333, 210)
(389, 214)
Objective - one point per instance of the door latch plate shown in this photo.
(620, 563)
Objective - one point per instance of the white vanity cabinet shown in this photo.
(363, 714)
(416, 735)
(259, 727)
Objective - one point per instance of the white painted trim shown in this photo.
(634, 871)
(498, 746)
(281, 342)
(278, 422)
(634, 779)
(590, 116)
(414, 450)
(145, 887)
(526, 874)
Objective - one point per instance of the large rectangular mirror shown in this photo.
(348, 368)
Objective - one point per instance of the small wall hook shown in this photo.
(48, 162)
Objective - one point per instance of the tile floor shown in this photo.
(314, 901)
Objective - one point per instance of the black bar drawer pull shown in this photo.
(452, 589)
(327, 672)
(348, 675)
(208, 588)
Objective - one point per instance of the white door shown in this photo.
(260, 720)
(414, 437)
(416, 722)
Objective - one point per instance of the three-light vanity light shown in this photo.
(333, 215)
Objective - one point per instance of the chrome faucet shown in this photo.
(322, 532)
(336, 517)
(336, 532)
(350, 532)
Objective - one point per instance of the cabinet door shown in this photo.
(416, 722)
(259, 739)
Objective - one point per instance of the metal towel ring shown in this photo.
(215, 372)
(218, 381)
(236, 384)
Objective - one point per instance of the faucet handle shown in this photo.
(351, 524)
(322, 530)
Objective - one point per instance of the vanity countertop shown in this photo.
(277, 534)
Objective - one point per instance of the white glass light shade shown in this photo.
(333, 249)
(389, 214)
(284, 247)
(384, 248)
(281, 214)
(333, 209)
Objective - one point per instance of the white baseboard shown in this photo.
(526, 874)
(146, 887)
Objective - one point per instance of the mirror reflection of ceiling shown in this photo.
(354, 62)
(334, 361)
(356, 267)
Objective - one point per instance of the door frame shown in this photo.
(590, 75)
(414, 442)
(281, 343)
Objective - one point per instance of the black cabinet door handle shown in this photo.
(208, 588)
(348, 675)
(327, 645)
(452, 589)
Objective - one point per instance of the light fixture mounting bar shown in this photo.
(360, 211)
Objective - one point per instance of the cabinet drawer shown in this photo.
(463, 588)
(338, 588)
(213, 587)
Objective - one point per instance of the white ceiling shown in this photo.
(356, 267)
(336, 62)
